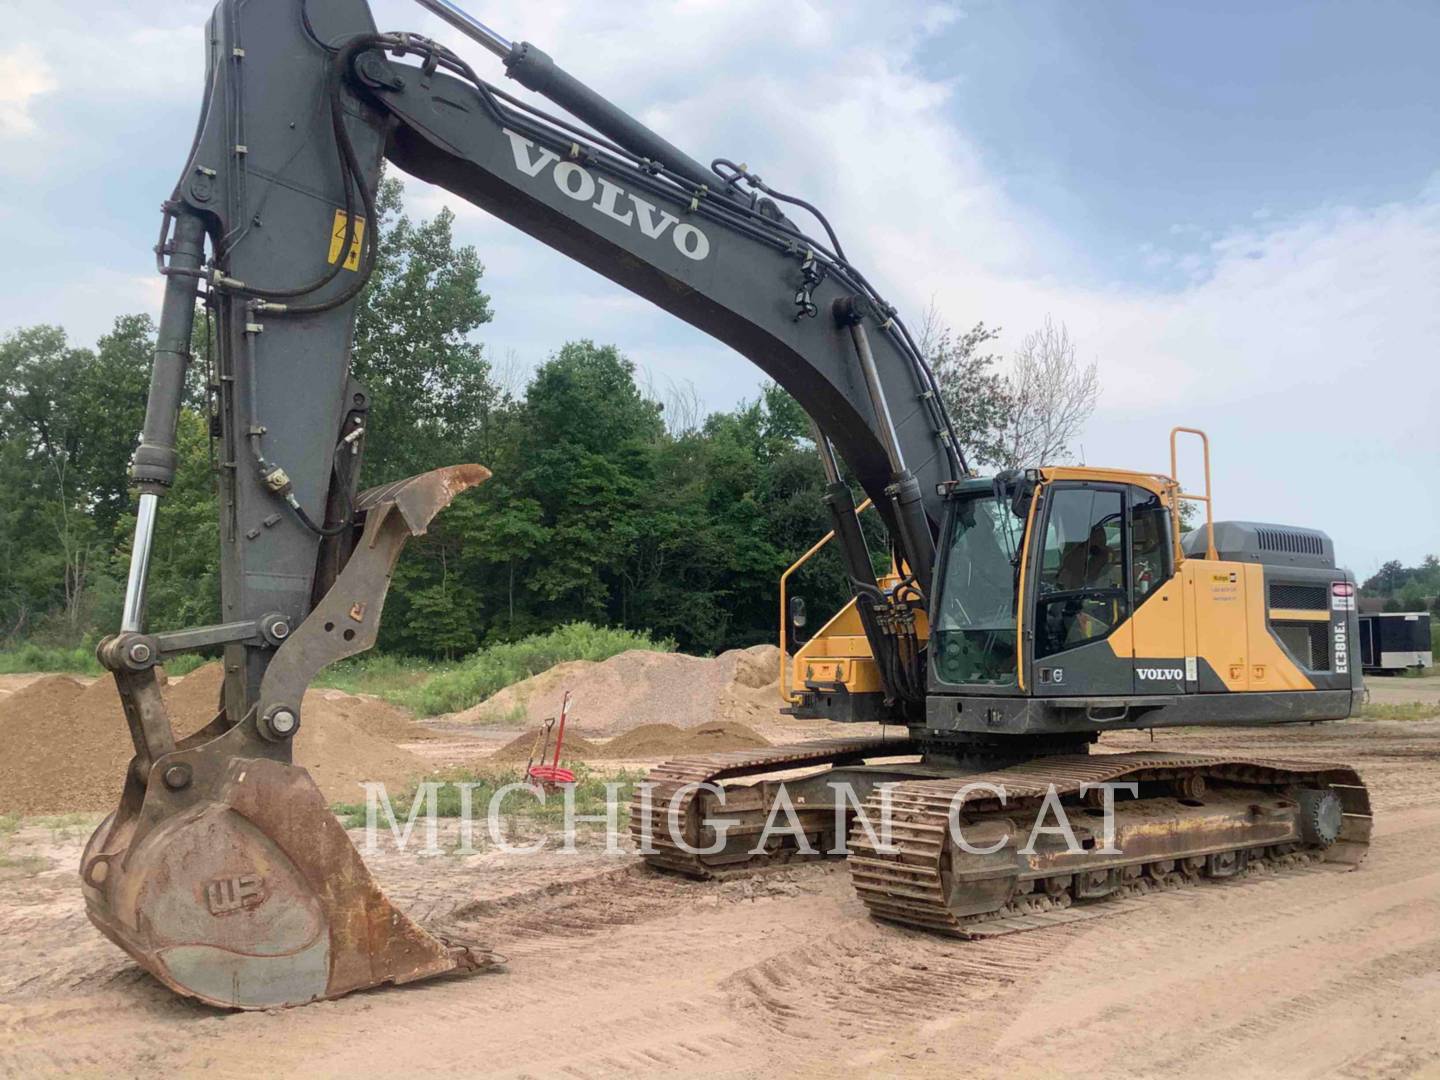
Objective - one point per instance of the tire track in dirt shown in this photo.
(1187, 991)
(617, 971)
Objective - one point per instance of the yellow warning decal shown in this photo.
(337, 240)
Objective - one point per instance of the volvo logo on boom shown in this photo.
(609, 199)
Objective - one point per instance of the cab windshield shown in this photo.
(974, 634)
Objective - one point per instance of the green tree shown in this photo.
(432, 399)
(972, 387)
(585, 458)
(1390, 577)
(66, 415)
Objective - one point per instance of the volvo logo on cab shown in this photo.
(609, 199)
(1161, 674)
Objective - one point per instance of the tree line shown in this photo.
(607, 503)
(1406, 588)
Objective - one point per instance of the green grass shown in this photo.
(62, 821)
(65, 826)
(589, 796)
(492, 669)
(397, 679)
(1410, 710)
(426, 687)
(517, 715)
(28, 865)
(185, 663)
(77, 660)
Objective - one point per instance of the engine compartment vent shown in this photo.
(1299, 597)
(1291, 541)
(1263, 542)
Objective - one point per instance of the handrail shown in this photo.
(785, 614)
(1180, 493)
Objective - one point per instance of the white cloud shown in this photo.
(141, 52)
(24, 76)
(1292, 339)
(1305, 343)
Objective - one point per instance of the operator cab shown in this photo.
(1096, 545)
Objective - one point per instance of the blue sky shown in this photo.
(1235, 208)
(1140, 127)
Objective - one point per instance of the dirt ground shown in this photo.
(614, 970)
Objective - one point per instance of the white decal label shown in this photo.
(614, 202)
(1342, 596)
(1192, 673)
(1342, 648)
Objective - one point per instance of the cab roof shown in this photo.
(1156, 482)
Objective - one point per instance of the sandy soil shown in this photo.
(638, 687)
(1395, 690)
(66, 745)
(614, 970)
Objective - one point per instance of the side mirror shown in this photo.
(797, 611)
(1018, 487)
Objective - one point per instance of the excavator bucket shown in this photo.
(223, 872)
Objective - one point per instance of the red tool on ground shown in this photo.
(553, 773)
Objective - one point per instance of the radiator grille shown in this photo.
(1307, 642)
(1298, 597)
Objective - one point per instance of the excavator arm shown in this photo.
(221, 871)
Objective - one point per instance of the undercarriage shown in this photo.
(973, 852)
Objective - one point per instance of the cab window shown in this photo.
(1084, 588)
(1152, 559)
(973, 638)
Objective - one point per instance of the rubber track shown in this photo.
(651, 819)
(905, 885)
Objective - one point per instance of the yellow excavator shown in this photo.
(1069, 602)
(1023, 614)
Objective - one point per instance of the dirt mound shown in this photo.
(48, 695)
(644, 743)
(666, 740)
(193, 700)
(374, 715)
(518, 749)
(757, 667)
(67, 746)
(638, 688)
(734, 736)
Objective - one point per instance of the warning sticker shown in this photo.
(337, 240)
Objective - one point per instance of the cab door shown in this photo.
(1159, 596)
(1080, 636)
